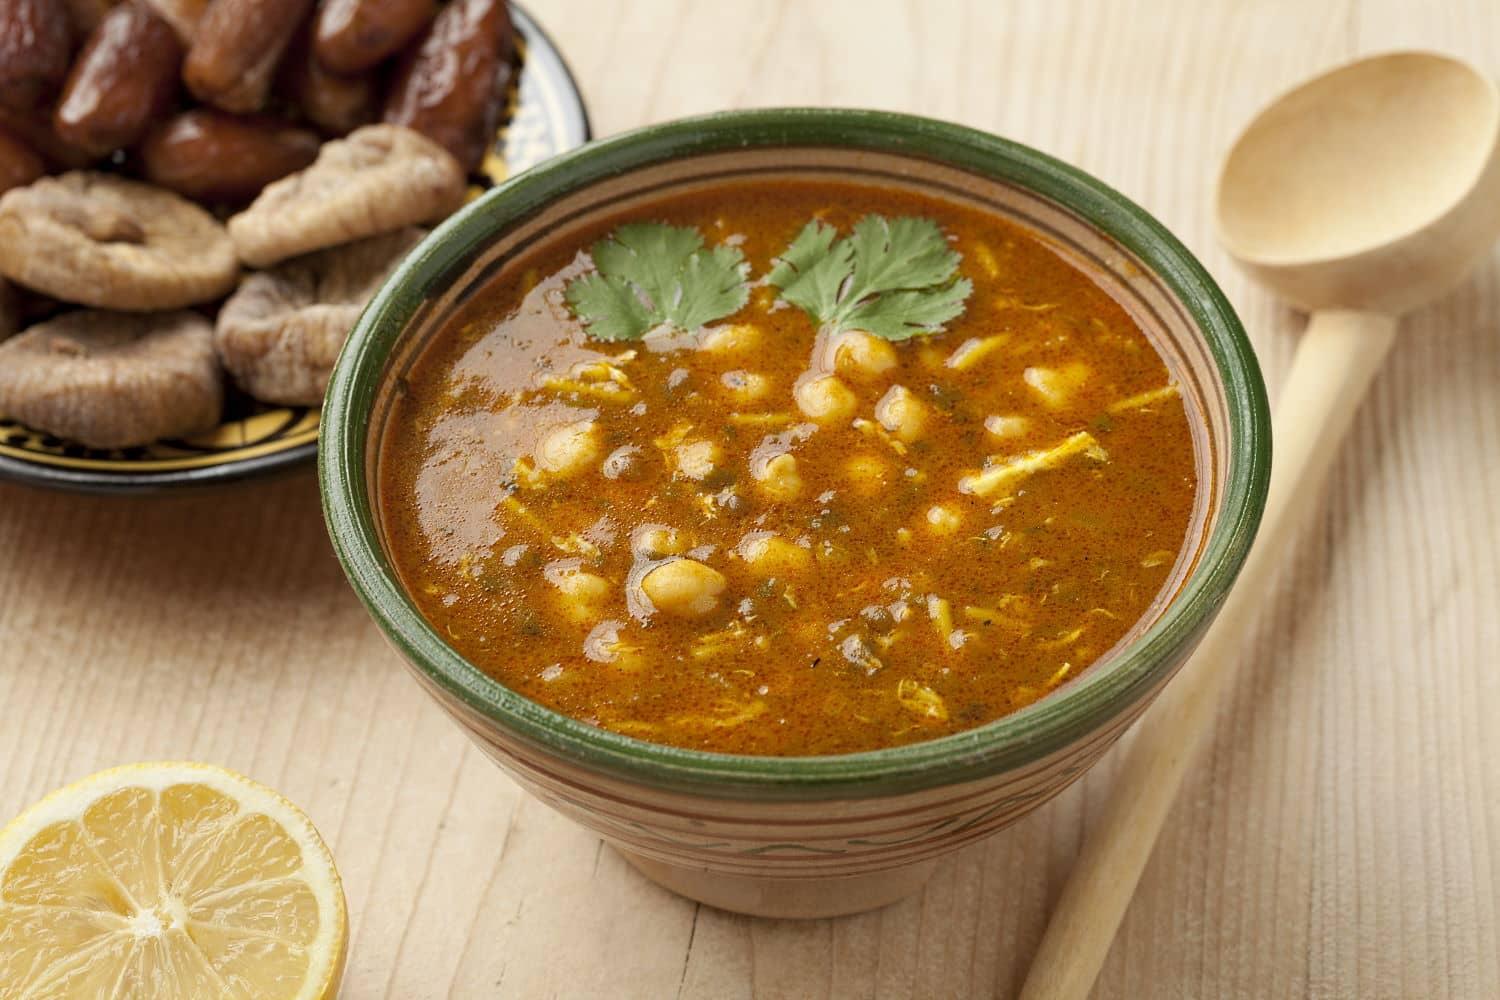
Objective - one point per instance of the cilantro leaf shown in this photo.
(896, 278)
(611, 310)
(713, 286)
(811, 270)
(650, 274)
(905, 314)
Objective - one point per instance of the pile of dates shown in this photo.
(215, 99)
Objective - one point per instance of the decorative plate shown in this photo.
(547, 117)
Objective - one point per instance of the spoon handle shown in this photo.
(1334, 364)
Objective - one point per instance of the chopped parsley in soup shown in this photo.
(788, 468)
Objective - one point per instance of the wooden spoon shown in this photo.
(1360, 195)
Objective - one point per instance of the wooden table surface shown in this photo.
(1341, 837)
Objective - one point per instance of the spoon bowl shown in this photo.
(1375, 186)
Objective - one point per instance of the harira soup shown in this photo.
(788, 467)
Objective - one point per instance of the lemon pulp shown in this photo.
(168, 881)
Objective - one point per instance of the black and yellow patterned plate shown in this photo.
(547, 117)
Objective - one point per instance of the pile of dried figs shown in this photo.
(202, 189)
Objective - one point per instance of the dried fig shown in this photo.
(104, 241)
(377, 179)
(279, 334)
(112, 380)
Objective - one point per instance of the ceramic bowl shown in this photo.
(811, 836)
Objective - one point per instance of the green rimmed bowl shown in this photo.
(811, 836)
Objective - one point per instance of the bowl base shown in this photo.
(794, 898)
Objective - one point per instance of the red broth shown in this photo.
(864, 595)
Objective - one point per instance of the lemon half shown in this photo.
(168, 881)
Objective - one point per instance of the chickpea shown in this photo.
(902, 413)
(944, 519)
(862, 355)
(736, 338)
(770, 555)
(746, 387)
(657, 540)
(1056, 385)
(684, 587)
(1004, 427)
(623, 463)
(867, 474)
(580, 592)
(778, 477)
(569, 449)
(696, 459)
(825, 399)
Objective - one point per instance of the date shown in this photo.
(86, 15)
(352, 36)
(36, 41)
(124, 78)
(34, 128)
(211, 156)
(182, 15)
(451, 84)
(19, 163)
(236, 49)
(336, 104)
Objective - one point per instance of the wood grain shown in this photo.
(1341, 838)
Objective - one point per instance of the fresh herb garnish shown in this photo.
(650, 274)
(895, 278)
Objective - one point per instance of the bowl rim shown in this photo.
(1011, 741)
